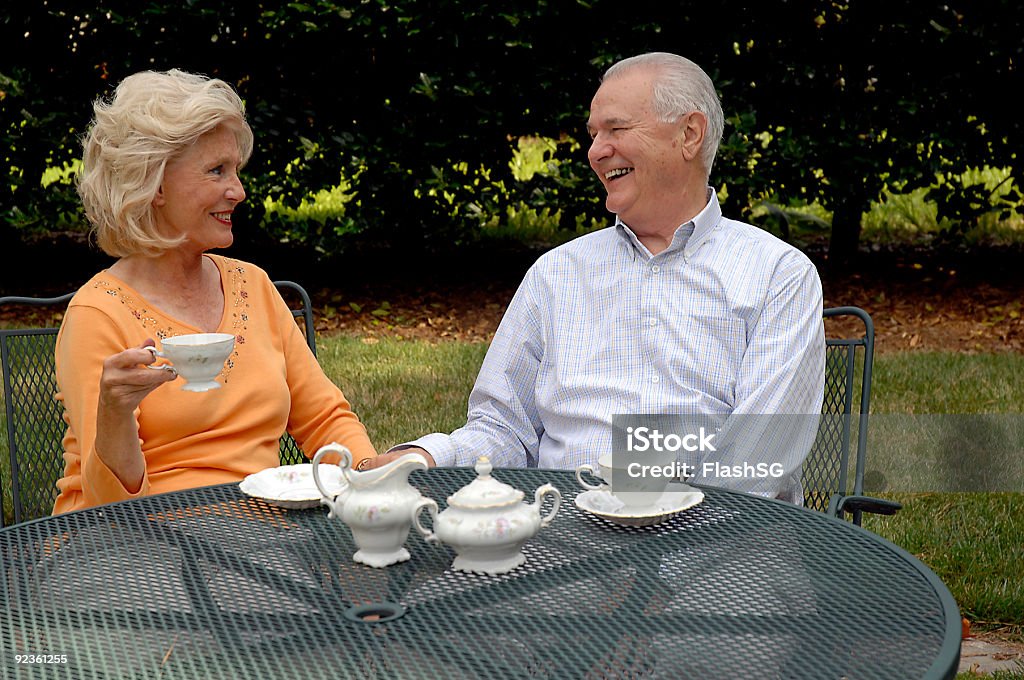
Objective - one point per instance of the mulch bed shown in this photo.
(919, 300)
(917, 312)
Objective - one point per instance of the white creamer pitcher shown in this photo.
(375, 504)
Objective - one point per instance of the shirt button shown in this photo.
(656, 379)
(653, 322)
(655, 269)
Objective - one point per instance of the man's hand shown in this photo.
(386, 458)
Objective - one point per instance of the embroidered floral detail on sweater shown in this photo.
(236, 297)
(149, 322)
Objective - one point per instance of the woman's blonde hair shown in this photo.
(152, 117)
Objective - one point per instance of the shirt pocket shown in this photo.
(705, 357)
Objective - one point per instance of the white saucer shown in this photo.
(677, 497)
(292, 486)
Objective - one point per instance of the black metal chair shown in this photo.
(828, 468)
(290, 451)
(34, 419)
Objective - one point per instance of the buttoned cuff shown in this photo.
(440, 447)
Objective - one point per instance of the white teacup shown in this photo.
(197, 357)
(636, 491)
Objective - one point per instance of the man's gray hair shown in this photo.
(680, 86)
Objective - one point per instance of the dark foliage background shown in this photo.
(826, 101)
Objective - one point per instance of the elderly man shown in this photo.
(674, 310)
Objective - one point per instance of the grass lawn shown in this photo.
(403, 389)
(973, 541)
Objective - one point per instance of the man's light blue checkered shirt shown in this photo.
(727, 320)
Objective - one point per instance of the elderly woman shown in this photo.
(160, 182)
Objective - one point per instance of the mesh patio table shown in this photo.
(210, 583)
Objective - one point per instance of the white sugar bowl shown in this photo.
(487, 522)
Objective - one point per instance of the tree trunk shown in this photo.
(845, 236)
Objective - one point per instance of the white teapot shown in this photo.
(487, 522)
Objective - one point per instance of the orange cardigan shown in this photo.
(270, 383)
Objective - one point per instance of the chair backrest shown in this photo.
(291, 454)
(848, 362)
(34, 419)
(301, 308)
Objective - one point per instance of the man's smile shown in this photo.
(616, 173)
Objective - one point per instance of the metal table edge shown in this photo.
(945, 665)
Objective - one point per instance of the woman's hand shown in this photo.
(124, 383)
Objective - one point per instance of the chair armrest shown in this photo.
(841, 503)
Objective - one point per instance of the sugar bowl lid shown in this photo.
(485, 491)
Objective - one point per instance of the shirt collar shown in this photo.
(688, 236)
